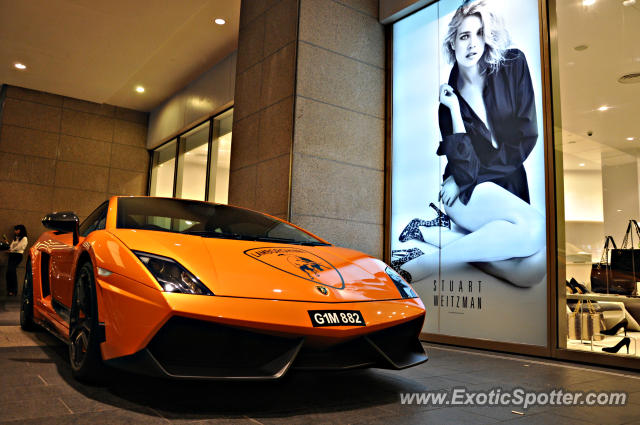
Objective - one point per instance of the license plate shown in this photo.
(320, 318)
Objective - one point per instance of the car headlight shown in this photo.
(405, 289)
(171, 276)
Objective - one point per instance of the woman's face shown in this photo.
(469, 42)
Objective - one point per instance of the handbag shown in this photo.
(584, 325)
(601, 271)
(625, 263)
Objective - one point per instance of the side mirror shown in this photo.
(65, 222)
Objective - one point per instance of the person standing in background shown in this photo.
(16, 251)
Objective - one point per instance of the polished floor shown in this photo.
(36, 387)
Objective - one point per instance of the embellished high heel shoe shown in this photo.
(625, 341)
(443, 219)
(412, 230)
(614, 330)
(400, 257)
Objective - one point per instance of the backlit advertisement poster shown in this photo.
(468, 225)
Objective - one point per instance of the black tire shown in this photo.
(84, 344)
(26, 306)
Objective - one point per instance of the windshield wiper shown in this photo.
(310, 243)
(212, 234)
(288, 241)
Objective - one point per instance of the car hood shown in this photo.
(238, 268)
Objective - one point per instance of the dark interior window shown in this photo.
(97, 220)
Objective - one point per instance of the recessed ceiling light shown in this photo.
(140, 89)
(630, 139)
(619, 210)
(628, 2)
(581, 164)
(219, 21)
(588, 2)
(19, 65)
(603, 108)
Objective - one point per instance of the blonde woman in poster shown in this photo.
(487, 119)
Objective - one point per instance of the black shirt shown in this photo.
(511, 112)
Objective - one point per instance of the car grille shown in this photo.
(190, 348)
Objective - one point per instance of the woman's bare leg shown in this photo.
(502, 226)
(439, 236)
(524, 271)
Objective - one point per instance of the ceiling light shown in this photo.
(603, 108)
(19, 65)
(140, 89)
(588, 2)
(220, 21)
(630, 139)
(581, 47)
(581, 164)
(628, 2)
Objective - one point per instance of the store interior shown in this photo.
(599, 310)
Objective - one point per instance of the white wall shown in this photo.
(583, 195)
(198, 100)
(620, 198)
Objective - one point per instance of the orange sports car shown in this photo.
(188, 289)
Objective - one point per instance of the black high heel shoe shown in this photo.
(625, 341)
(412, 230)
(614, 330)
(578, 287)
(399, 257)
(444, 220)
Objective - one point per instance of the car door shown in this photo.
(62, 258)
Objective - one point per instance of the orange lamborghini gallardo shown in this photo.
(195, 290)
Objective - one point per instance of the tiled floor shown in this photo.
(36, 387)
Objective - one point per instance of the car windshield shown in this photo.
(206, 220)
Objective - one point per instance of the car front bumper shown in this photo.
(212, 337)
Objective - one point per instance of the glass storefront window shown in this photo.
(201, 171)
(163, 170)
(597, 145)
(192, 163)
(220, 158)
